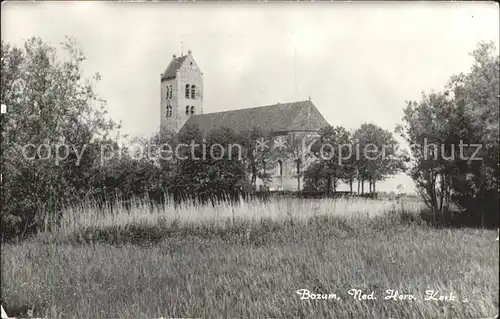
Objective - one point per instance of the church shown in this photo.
(182, 105)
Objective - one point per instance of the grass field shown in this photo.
(248, 261)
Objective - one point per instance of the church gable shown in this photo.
(173, 67)
(309, 118)
(189, 65)
(183, 64)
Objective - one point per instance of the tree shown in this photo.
(466, 113)
(298, 153)
(163, 155)
(48, 103)
(475, 185)
(225, 166)
(349, 171)
(256, 156)
(377, 155)
(333, 147)
(131, 171)
(315, 177)
(211, 168)
(430, 128)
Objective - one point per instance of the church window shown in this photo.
(192, 110)
(298, 162)
(170, 92)
(280, 168)
(187, 91)
(193, 90)
(187, 109)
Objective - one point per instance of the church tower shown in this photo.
(181, 92)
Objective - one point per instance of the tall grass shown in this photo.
(88, 214)
(247, 260)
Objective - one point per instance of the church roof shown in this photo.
(301, 116)
(173, 67)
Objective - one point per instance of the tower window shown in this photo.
(169, 109)
(187, 91)
(170, 91)
(193, 90)
(187, 109)
(192, 110)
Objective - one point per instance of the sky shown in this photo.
(358, 62)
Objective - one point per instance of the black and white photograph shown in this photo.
(266, 159)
